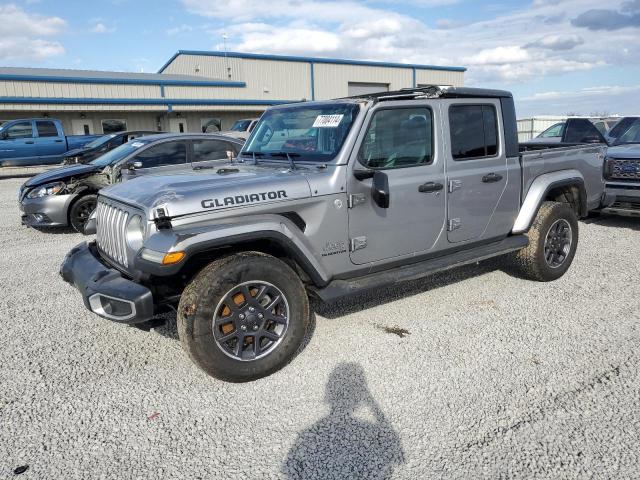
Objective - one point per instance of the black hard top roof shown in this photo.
(434, 91)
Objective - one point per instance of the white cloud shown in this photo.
(499, 56)
(100, 27)
(173, 31)
(20, 34)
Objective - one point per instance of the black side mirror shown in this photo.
(380, 189)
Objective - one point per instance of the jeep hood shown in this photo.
(190, 192)
(631, 150)
(60, 174)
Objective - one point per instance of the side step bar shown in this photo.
(341, 288)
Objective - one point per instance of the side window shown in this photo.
(168, 153)
(399, 137)
(204, 150)
(553, 131)
(20, 130)
(474, 131)
(46, 129)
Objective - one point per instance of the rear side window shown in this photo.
(168, 153)
(398, 137)
(46, 129)
(204, 150)
(474, 131)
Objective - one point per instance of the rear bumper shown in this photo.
(49, 211)
(104, 290)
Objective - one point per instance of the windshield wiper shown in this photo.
(288, 155)
(254, 155)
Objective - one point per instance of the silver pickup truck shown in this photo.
(329, 199)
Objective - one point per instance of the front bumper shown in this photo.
(49, 211)
(104, 290)
(627, 199)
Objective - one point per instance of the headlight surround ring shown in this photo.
(135, 233)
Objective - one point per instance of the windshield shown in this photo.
(99, 141)
(631, 134)
(311, 132)
(118, 153)
(241, 126)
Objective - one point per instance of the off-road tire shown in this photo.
(202, 297)
(81, 210)
(530, 262)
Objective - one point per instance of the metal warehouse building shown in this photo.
(196, 89)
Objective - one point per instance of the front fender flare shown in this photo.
(538, 191)
(210, 237)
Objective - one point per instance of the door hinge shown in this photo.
(356, 199)
(357, 243)
(454, 224)
(454, 185)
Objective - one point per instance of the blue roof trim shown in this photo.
(139, 101)
(289, 58)
(121, 81)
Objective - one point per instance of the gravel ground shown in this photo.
(496, 378)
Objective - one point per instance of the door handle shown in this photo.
(491, 178)
(58, 141)
(430, 187)
(29, 142)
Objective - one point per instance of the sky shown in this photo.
(557, 56)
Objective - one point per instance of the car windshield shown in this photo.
(99, 141)
(631, 134)
(308, 132)
(241, 126)
(118, 153)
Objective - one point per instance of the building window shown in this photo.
(113, 126)
(210, 125)
(46, 128)
(362, 88)
(474, 131)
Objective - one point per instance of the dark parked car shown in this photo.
(67, 195)
(102, 145)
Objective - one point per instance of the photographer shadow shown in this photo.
(344, 444)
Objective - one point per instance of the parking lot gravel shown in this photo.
(468, 374)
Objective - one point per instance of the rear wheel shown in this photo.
(553, 239)
(81, 210)
(243, 316)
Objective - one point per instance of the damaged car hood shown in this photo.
(61, 174)
(223, 188)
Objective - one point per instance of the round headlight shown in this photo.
(135, 233)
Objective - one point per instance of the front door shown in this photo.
(399, 142)
(18, 145)
(177, 125)
(476, 169)
(160, 159)
(51, 144)
(82, 126)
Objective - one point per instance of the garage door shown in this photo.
(358, 88)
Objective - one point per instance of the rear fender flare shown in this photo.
(538, 191)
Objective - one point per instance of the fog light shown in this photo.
(110, 307)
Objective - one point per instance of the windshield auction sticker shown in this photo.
(327, 121)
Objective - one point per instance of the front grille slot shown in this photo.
(111, 224)
(627, 169)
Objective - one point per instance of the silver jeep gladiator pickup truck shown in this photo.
(328, 199)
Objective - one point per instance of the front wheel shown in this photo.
(553, 239)
(243, 316)
(81, 210)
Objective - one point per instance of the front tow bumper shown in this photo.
(104, 290)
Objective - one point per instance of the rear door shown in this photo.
(18, 144)
(51, 142)
(476, 168)
(207, 152)
(159, 159)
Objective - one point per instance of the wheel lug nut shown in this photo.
(251, 309)
(255, 327)
(243, 328)
(260, 316)
(241, 316)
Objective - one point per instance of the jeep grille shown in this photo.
(627, 169)
(111, 224)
